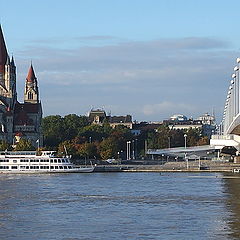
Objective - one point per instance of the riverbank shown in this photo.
(191, 166)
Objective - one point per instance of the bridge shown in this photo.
(227, 139)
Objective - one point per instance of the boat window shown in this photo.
(4, 167)
(34, 167)
(24, 160)
(4, 160)
(55, 160)
(56, 167)
(52, 167)
(69, 167)
(51, 161)
(27, 167)
(59, 160)
(60, 167)
(14, 167)
(15, 161)
(65, 167)
(63, 160)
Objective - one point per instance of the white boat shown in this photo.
(45, 162)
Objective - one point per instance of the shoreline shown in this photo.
(193, 166)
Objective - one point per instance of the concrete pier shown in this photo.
(205, 166)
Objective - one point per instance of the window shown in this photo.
(14, 167)
(30, 95)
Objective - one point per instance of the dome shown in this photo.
(178, 117)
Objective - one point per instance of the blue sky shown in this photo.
(148, 58)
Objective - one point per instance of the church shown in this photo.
(18, 120)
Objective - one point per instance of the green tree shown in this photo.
(53, 130)
(73, 124)
(94, 132)
(24, 145)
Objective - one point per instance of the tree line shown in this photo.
(84, 140)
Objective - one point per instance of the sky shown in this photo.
(147, 58)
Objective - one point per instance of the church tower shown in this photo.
(31, 94)
(3, 57)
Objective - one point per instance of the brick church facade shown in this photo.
(18, 120)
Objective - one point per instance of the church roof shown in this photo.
(28, 107)
(31, 75)
(3, 52)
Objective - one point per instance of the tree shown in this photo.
(73, 124)
(53, 130)
(67, 146)
(203, 141)
(108, 149)
(4, 146)
(24, 145)
(87, 150)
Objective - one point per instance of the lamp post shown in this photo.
(133, 149)
(185, 144)
(128, 149)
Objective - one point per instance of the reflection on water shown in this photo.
(232, 203)
(119, 206)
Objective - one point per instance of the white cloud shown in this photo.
(162, 75)
(167, 107)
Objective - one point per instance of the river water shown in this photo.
(120, 206)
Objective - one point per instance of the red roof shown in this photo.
(19, 134)
(31, 75)
(3, 52)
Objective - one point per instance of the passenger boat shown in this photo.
(45, 162)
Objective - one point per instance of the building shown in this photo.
(207, 119)
(18, 120)
(205, 123)
(99, 116)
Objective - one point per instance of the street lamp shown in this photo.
(185, 141)
(128, 149)
(133, 149)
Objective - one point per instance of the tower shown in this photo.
(31, 94)
(3, 57)
(18, 119)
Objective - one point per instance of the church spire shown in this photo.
(31, 75)
(3, 52)
(31, 88)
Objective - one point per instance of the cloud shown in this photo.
(167, 107)
(152, 78)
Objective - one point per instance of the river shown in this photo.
(120, 206)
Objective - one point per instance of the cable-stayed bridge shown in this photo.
(228, 131)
